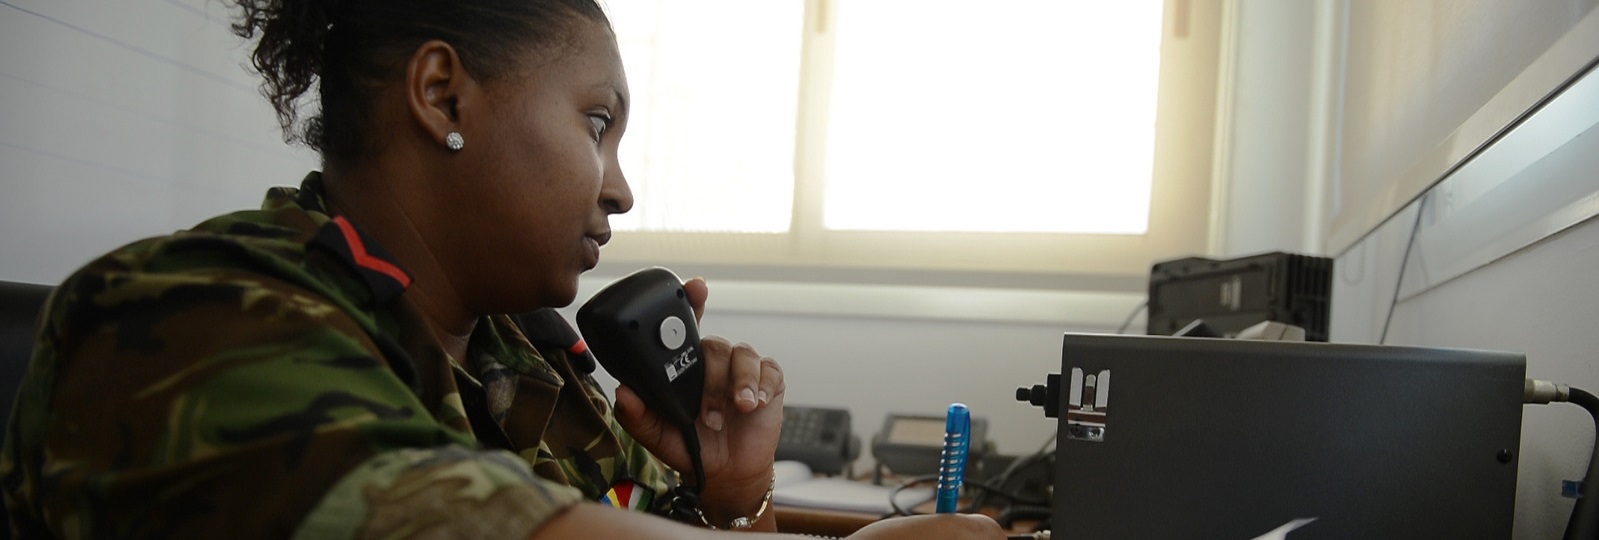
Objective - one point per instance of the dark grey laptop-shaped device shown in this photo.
(1166, 437)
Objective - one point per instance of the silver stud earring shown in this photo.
(454, 141)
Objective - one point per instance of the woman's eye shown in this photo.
(600, 124)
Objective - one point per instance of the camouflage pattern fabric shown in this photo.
(263, 375)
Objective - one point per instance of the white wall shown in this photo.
(122, 120)
(1501, 245)
(1264, 150)
(1414, 79)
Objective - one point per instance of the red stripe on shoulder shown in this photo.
(366, 260)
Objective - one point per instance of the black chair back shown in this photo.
(20, 304)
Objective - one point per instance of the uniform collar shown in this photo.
(384, 278)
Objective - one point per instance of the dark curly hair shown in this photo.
(349, 49)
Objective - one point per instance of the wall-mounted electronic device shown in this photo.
(819, 437)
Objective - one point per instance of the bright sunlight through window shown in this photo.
(710, 139)
(1011, 116)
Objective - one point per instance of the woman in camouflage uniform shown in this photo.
(336, 364)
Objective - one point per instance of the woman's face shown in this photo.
(533, 202)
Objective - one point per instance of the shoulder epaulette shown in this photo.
(385, 278)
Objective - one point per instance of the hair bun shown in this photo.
(289, 52)
(349, 50)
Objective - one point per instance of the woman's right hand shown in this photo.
(931, 527)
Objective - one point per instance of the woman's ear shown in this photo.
(436, 83)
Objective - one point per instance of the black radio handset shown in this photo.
(642, 329)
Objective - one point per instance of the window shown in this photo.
(1007, 137)
(715, 88)
(957, 116)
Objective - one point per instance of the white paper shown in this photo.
(795, 485)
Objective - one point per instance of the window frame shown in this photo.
(1180, 205)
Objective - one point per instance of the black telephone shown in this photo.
(819, 437)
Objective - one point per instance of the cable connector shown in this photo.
(1043, 395)
(1538, 392)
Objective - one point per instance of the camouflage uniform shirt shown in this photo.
(263, 375)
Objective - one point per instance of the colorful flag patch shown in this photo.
(626, 493)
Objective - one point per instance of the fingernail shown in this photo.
(713, 420)
(765, 398)
(746, 396)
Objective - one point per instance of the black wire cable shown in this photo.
(1584, 522)
(893, 496)
(685, 503)
(1414, 229)
(1020, 463)
(691, 439)
(1131, 316)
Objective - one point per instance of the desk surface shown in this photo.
(838, 523)
(814, 518)
(816, 521)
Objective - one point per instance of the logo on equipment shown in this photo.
(680, 364)
(1089, 402)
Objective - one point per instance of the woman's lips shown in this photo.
(594, 241)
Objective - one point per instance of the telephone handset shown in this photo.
(642, 329)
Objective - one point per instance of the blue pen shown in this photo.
(952, 469)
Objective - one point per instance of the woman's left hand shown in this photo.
(740, 418)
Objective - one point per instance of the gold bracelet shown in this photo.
(745, 522)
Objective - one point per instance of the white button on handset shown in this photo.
(673, 332)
